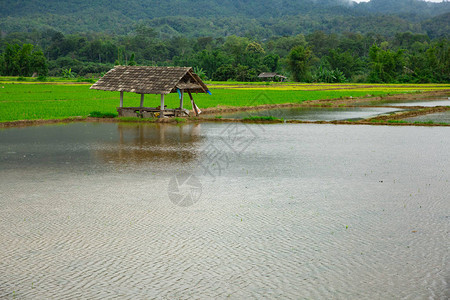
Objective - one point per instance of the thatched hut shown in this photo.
(152, 80)
(272, 76)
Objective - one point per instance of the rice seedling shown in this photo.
(61, 98)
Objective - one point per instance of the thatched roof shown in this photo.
(267, 75)
(150, 80)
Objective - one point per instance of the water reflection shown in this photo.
(318, 113)
(431, 102)
(88, 146)
(306, 211)
(440, 117)
(151, 142)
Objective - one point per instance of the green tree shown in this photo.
(200, 72)
(431, 65)
(132, 62)
(225, 72)
(255, 48)
(323, 74)
(67, 73)
(320, 42)
(299, 62)
(386, 65)
(210, 61)
(39, 63)
(271, 62)
(10, 64)
(344, 61)
(236, 46)
(253, 56)
(244, 73)
(283, 45)
(23, 61)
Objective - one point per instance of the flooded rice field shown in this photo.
(317, 113)
(440, 117)
(430, 102)
(292, 211)
(422, 103)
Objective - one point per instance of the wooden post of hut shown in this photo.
(152, 80)
(161, 114)
(181, 98)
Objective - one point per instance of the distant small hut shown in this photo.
(152, 80)
(272, 76)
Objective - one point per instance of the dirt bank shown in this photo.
(411, 114)
(24, 123)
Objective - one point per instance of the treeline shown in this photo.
(23, 61)
(315, 57)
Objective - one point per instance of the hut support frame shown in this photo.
(193, 103)
(160, 111)
(181, 99)
(161, 114)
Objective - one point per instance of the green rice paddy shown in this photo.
(61, 99)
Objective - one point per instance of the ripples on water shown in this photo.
(428, 103)
(425, 102)
(317, 113)
(297, 211)
(441, 117)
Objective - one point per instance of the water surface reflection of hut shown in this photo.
(141, 143)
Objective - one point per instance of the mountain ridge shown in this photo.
(175, 17)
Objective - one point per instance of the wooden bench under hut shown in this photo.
(152, 80)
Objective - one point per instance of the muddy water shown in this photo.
(422, 103)
(441, 117)
(431, 102)
(317, 114)
(282, 211)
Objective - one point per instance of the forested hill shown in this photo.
(262, 18)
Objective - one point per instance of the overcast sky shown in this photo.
(394, 0)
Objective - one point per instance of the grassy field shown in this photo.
(327, 86)
(59, 99)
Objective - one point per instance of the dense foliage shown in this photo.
(231, 40)
(318, 57)
(23, 61)
(255, 18)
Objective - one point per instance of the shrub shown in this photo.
(262, 118)
(97, 114)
